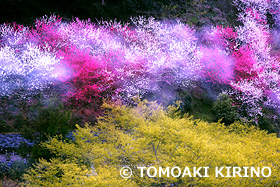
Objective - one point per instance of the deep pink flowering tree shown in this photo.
(245, 62)
(257, 78)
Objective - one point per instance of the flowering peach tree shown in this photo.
(114, 60)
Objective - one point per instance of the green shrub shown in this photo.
(149, 136)
(6, 111)
(224, 109)
(45, 117)
(4, 127)
(267, 124)
(13, 170)
(269, 121)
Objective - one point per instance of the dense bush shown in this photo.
(42, 119)
(13, 170)
(224, 109)
(47, 117)
(4, 127)
(149, 136)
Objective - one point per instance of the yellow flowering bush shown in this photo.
(149, 136)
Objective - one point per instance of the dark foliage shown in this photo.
(47, 117)
(193, 12)
(44, 118)
(224, 109)
(13, 170)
